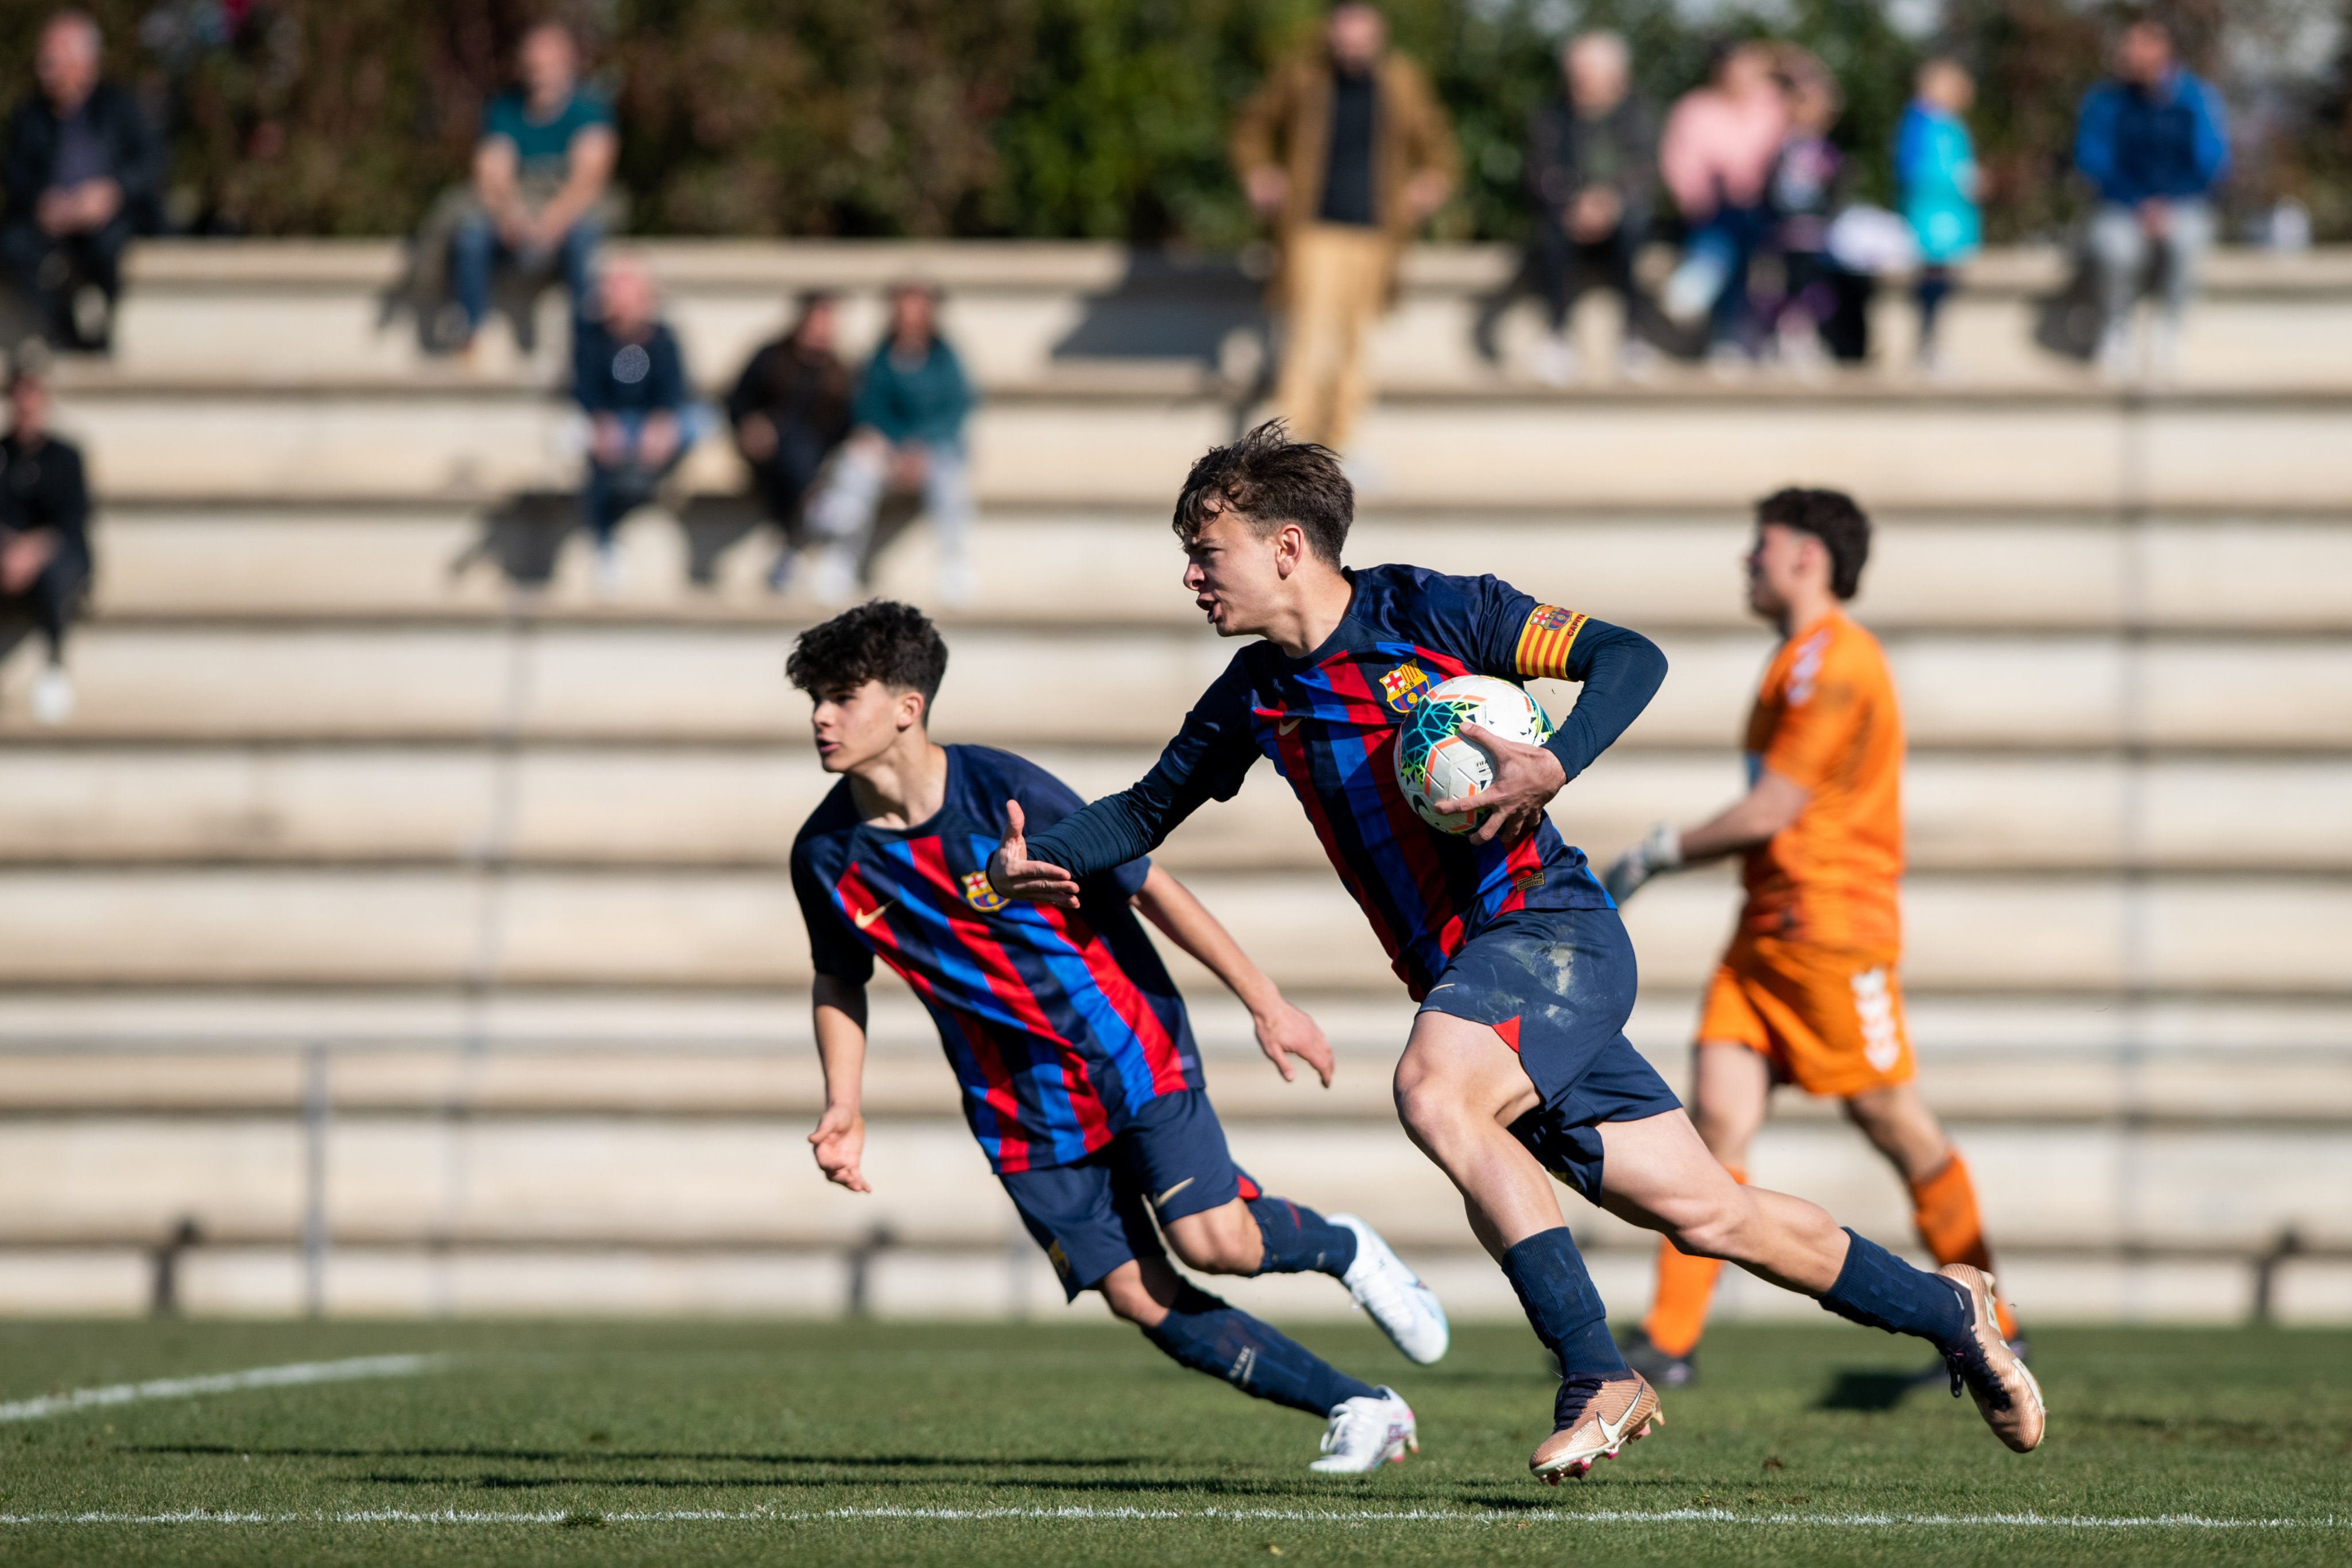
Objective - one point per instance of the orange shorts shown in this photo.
(1829, 1021)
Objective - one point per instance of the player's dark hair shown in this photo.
(1271, 480)
(881, 640)
(1831, 517)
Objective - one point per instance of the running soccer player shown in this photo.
(1079, 1075)
(1517, 1065)
(1806, 993)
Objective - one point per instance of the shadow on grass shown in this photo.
(1874, 1390)
(1211, 1485)
(557, 1456)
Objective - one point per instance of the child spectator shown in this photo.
(790, 409)
(82, 174)
(630, 379)
(908, 436)
(1936, 173)
(1803, 196)
(44, 560)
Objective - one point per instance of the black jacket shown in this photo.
(132, 146)
(789, 386)
(44, 488)
(1566, 152)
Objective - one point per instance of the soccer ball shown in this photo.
(1435, 763)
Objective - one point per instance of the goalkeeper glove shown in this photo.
(1661, 850)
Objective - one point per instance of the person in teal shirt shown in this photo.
(907, 435)
(1936, 171)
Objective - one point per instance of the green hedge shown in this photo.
(1046, 117)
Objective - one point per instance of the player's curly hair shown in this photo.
(1269, 480)
(1831, 517)
(881, 640)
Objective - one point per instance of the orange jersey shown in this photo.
(1825, 717)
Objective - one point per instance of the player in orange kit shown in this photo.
(1806, 993)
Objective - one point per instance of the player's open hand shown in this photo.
(1284, 1031)
(1012, 873)
(1526, 779)
(840, 1142)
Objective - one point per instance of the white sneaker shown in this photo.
(1556, 361)
(610, 580)
(833, 582)
(53, 696)
(1406, 1310)
(959, 585)
(1367, 1433)
(2114, 360)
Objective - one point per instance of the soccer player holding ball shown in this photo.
(1078, 1070)
(1808, 992)
(1517, 1070)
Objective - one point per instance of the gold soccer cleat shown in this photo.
(1594, 1422)
(2006, 1394)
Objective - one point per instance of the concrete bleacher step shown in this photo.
(1095, 446)
(717, 682)
(1993, 571)
(321, 927)
(740, 806)
(1017, 309)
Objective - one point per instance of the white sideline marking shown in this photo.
(222, 1383)
(1285, 1515)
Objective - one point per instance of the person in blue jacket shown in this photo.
(1936, 172)
(2154, 142)
(908, 425)
(630, 379)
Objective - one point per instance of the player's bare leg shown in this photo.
(1731, 1088)
(1899, 1124)
(1458, 1089)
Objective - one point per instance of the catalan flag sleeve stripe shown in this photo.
(1545, 640)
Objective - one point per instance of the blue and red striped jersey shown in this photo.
(1331, 722)
(1059, 1022)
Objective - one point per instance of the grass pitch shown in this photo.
(663, 1442)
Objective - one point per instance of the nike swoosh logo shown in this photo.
(1161, 1201)
(1286, 726)
(1609, 1434)
(867, 917)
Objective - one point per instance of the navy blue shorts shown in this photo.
(1558, 984)
(1170, 1160)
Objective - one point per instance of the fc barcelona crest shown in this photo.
(1404, 686)
(980, 895)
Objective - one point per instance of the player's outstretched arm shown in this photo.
(1771, 805)
(1012, 873)
(1283, 1030)
(839, 1140)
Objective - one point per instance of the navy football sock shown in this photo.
(1300, 1240)
(1549, 1275)
(1207, 1336)
(1880, 1290)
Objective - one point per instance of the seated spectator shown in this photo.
(1715, 156)
(45, 562)
(542, 174)
(82, 174)
(1803, 196)
(790, 409)
(908, 434)
(630, 378)
(1936, 173)
(2153, 142)
(1591, 173)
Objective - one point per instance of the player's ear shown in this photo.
(913, 709)
(1289, 549)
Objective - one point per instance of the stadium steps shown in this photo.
(335, 778)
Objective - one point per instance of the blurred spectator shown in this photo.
(1716, 155)
(542, 172)
(1936, 174)
(82, 173)
(2153, 142)
(1346, 151)
(908, 425)
(1801, 196)
(1591, 173)
(45, 562)
(630, 378)
(790, 409)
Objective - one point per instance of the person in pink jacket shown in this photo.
(1716, 157)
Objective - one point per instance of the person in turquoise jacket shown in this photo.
(1936, 171)
(908, 436)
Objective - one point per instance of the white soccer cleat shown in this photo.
(53, 696)
(1367, 1433)
(1406, 1310)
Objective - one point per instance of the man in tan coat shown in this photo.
(1346, 151)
